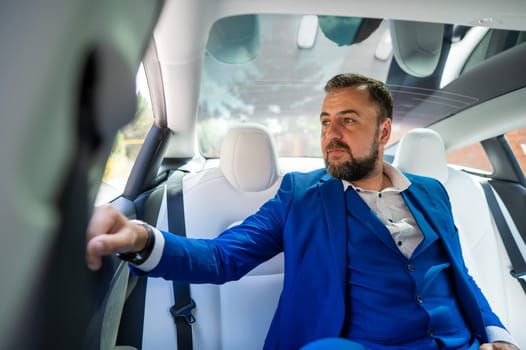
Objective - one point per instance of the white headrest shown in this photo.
(248, 158)
(422, 152)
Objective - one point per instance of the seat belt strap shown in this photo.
(182, 309)
(518, 265)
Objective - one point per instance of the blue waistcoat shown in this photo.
(413, 305)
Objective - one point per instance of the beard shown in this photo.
(356, 168)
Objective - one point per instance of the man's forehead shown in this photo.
(338, 100)
(341, 95)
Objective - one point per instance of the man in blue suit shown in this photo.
(371, 255)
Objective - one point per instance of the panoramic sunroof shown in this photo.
(279, 84)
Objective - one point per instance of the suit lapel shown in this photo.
(420, 203)
(333, 204)
(424, 209)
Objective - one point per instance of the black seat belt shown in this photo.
(182, 310)
(518, 265)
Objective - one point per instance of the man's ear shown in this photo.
(385, 131)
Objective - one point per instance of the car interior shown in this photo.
(199, 107)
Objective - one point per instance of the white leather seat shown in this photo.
(421, 152)
(235, 315)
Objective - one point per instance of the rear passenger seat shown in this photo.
(422, 152)
(235, 315)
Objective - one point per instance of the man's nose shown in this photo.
(334, 131)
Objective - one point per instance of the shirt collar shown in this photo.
(399, 181)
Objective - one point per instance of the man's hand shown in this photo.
(498, 346)
(110, 232)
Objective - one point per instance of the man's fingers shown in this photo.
(105, 219)
(94, 254)
(108, 232)
(106, 244)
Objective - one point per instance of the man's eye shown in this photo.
(348, 120)
(325, 123)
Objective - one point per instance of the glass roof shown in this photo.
(281, 71)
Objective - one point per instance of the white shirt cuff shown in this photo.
(157, 252)
(496, 333)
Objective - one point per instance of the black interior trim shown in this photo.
(514, 197)
(503, 72)
(518, 265)
(505, 165)
(145, 168)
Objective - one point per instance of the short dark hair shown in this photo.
(378, 91)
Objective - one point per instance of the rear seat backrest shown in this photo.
(235, 315)
(422, 152)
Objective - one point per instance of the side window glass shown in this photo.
(517, 141)
(471, 157)
(126, 146)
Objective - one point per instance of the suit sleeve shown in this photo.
(234, 252)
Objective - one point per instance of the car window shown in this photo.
(126, 146)
(517, 141)
(472, 157)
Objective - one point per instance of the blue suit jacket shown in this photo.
(307, 220)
